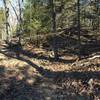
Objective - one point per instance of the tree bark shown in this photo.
(78, 26)
(6, 19)
(53, 15)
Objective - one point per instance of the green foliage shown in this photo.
(36, 17)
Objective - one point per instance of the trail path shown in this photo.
(37, 79)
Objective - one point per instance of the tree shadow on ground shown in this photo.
(50, 74)
(34, 55)
(42, 89)
(13, 89)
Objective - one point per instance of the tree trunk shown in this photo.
(53, 15)
(20, 20)
(78, 19)
(6, 19)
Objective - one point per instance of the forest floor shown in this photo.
(34, 76)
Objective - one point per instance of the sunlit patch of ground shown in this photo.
(21, 81)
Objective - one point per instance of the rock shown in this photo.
(90, 82)
(30, 81)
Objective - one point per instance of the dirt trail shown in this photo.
(37, 79)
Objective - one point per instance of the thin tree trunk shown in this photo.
(98, 12)
(78, 15)
(6, 19)
(20, 20)
(14, 11)
(53, 15)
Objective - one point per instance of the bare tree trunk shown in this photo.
(6, 19)
(20, 20)
(53, 15)
(98, 12)
(78, 15)
(14, 9)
